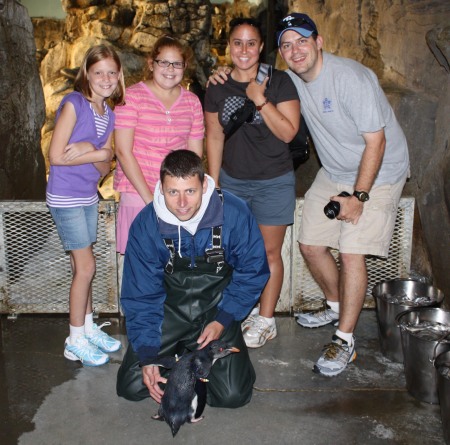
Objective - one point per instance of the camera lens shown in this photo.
(333, 208)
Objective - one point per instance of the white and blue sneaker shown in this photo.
(85, 352)
(102, 340)
(335, 357)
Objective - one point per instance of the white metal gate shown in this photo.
(35, 273)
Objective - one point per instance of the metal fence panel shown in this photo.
(35, 273)
(307, 294)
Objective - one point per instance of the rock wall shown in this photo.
(22, 108)
(407, 44)
(131, 27)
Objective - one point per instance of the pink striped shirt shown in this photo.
(157, 131)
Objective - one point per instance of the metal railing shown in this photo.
(35, 273)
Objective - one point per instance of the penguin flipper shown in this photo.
(200, 390)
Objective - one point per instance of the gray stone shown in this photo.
(22, 107)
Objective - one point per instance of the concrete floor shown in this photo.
(46, 399)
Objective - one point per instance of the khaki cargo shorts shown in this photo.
(371, 236)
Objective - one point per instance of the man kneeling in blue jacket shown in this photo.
(195, 265)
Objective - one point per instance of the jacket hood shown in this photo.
(209, 215)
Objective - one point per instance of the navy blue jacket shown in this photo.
(143, 293)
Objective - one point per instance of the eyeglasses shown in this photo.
(295, 22)
(166, 64)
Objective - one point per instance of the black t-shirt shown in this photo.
(253, 151)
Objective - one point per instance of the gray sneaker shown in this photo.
(335, 357)
(316, 319)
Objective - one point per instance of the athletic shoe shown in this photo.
(85, 352)
(102, 340)
(316, 319)
(248, 322)
(260, 331)
(335, 357)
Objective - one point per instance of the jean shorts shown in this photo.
(272, 201)
(77, 226)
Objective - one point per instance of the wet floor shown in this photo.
(46, 399)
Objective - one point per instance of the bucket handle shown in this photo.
(441, 340)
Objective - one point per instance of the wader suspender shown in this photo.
(213, 255)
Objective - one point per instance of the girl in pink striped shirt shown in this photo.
(159, 116)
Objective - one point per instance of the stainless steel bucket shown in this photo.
(442, 365)
(420, 352)
(387, 311)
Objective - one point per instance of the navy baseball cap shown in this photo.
(297, 22)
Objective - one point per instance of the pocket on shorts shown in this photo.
(378, 221)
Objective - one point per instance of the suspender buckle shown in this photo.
(215, 255)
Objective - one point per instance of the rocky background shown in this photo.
(406, 42)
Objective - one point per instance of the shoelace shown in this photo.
(323, 312)
(332, 350)
(106, 323)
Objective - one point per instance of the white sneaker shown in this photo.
(85, 352)
(259, 332)
(102, 340)
(248, 322)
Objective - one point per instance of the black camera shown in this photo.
(333, 208)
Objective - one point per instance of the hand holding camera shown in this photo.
(333, 208)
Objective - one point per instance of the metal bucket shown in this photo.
(442, 365)
(396, 296)
(421, 347)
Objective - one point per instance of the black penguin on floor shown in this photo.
(185, 393)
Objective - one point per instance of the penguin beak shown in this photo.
(233, 349)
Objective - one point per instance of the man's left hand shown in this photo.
(351, 208)
(212, 331)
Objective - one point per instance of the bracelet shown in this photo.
(259, 107)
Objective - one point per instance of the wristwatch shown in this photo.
(362, 196)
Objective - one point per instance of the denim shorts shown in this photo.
(77, 226)
(272, 201)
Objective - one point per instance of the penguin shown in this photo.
(184, 396)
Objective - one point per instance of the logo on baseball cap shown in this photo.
(297, 22)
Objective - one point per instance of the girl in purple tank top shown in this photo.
(80, 154)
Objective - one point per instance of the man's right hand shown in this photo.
(219, 75)
(151, 377)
